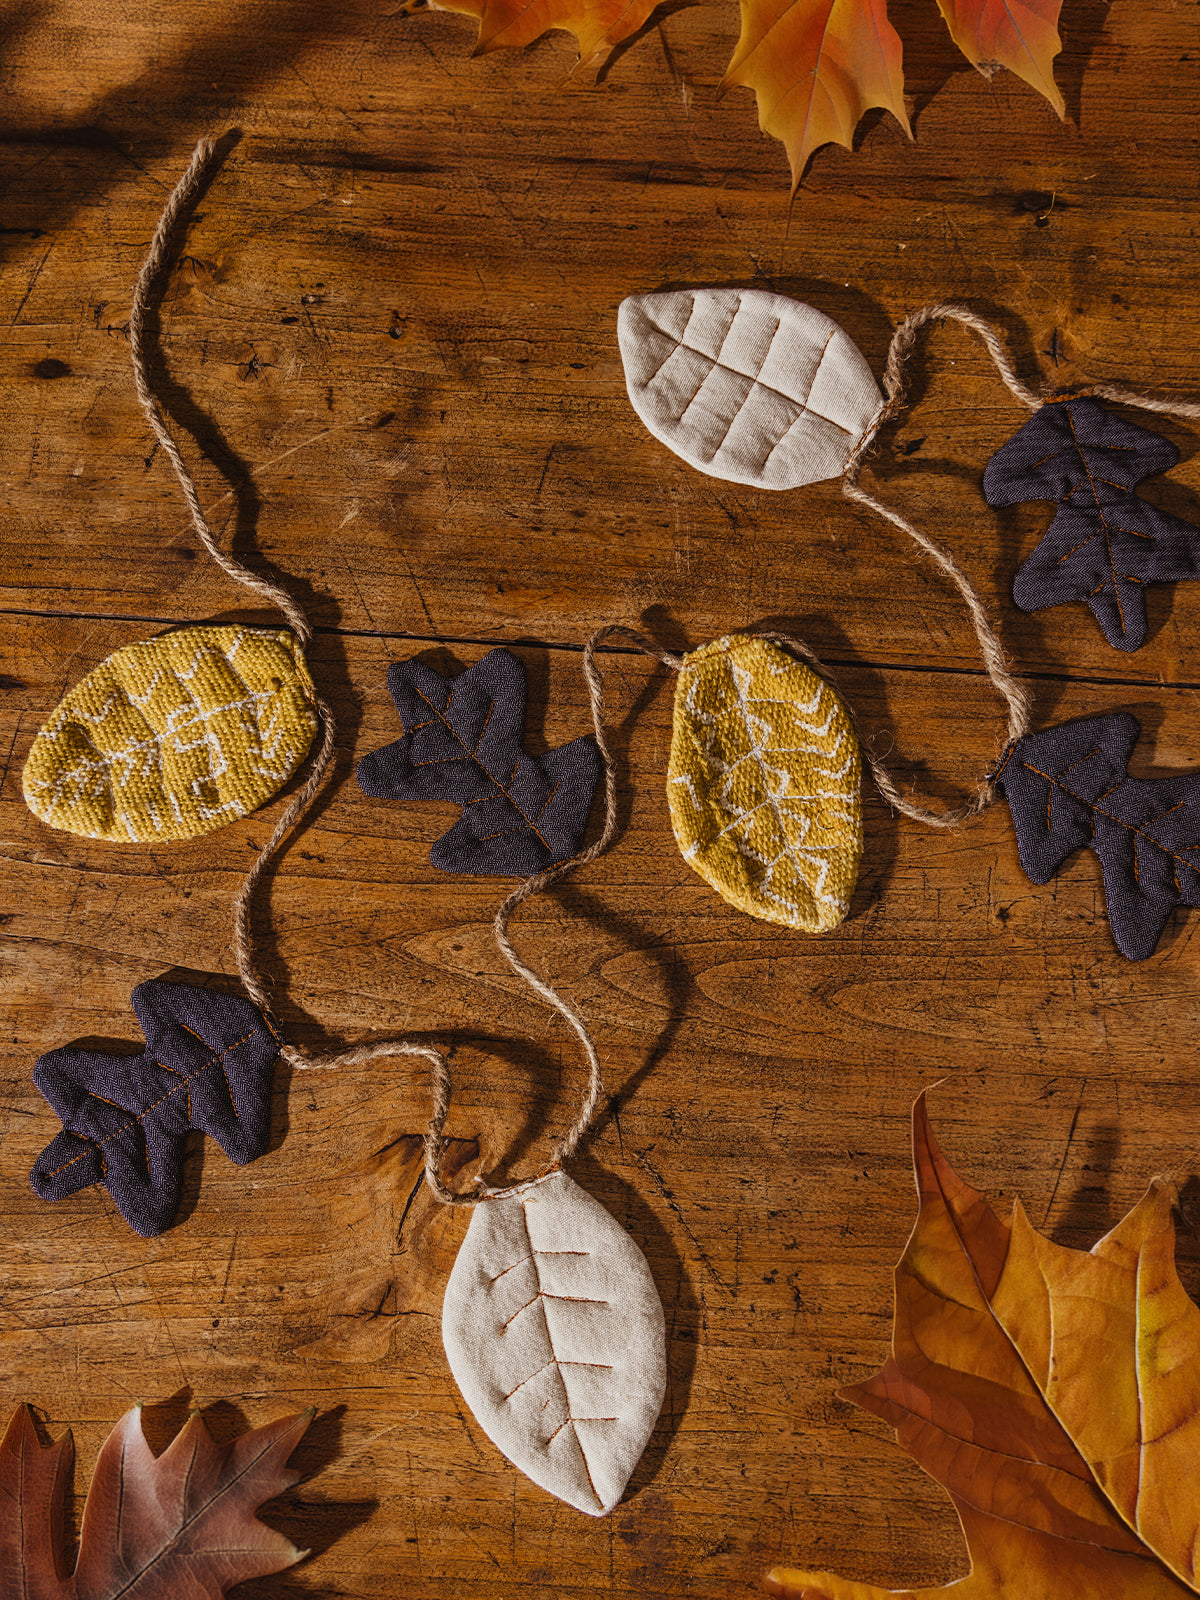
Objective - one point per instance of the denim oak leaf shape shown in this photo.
(207, 1064)
(1067, 788)
(462, 742)
(1105, 543)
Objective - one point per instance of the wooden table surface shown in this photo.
(392, 355)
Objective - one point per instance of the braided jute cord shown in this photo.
(1012, 692)
(174, 215)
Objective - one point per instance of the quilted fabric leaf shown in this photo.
(763, 783)
(816, 68)
(554, 1333)
(462, 742)
(1105, 543)
(745, 385)
(1021, 35)
(173, 737)
(1053, 1393)
(1067, 788)
(181, 1527)
(207, 1064)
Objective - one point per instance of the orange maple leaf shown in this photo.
(1054, 1393)
(598, 25)
(1021, 35)
(815, 67)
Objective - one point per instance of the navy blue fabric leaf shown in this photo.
(1067, 788)
(462, 742)
(1105, 543)
(207, 1064)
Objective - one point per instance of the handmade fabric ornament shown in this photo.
(207, 1064)
(751, 387)
(763, 783)
(1105, 543)
(173, 737)
(570, 1380)
(462, 742)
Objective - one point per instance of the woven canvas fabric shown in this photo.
(1106, 543)
(763, 783)
(1067, 789)
(555, 1334)
(207, 1064)
(462, 742)
(746, 385)
(173, 737)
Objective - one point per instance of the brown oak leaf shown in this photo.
(1054, 1394)
(177, 1527)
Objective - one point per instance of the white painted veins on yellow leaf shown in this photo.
(763, 783)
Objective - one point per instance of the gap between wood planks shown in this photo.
(524, 642)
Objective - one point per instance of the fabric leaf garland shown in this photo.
(555, 1334)
(462, 742)
(745, 385)
(763, 783)
(1067, 788)
(1105, 543)
(175, 736)
(207, 1064)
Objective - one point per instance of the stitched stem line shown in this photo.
(167, 236)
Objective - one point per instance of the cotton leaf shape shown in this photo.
(554, 1333)
(746, 385)
(1021, 35)
(763, 783)
(816, 67)
(1106, 543)
(207, 1064)
(462, 742)
(175, 736)
(1067, 789)
(179, 1527)
(1054, 1393)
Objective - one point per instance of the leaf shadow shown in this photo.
(1081, 27)
(680, 1306)
(1089, 1213)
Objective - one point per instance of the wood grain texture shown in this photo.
(391, 352)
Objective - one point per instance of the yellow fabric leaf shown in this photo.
(763, 783)
(816, 67)
(174, 736)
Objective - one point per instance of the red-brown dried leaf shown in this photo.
(816, 67)
(1054, 1394)
(1021, 35)
(179, 1527)
(598, 25)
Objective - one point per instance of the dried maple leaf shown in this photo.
(179, 1527)
(816, 66)
(1021, 35)
(598, 25)
(1054, 1393)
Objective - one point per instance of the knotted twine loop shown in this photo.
(171, 223)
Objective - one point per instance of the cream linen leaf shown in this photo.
(746, 385)
(554, 1332)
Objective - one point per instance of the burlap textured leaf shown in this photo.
(175, 736)
(763, 783)
(554, 1333)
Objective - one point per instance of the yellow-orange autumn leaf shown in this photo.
(1021, 35)
(1054, 1393)
(816, 66)
(598, 25)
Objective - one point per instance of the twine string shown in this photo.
(166, 237)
